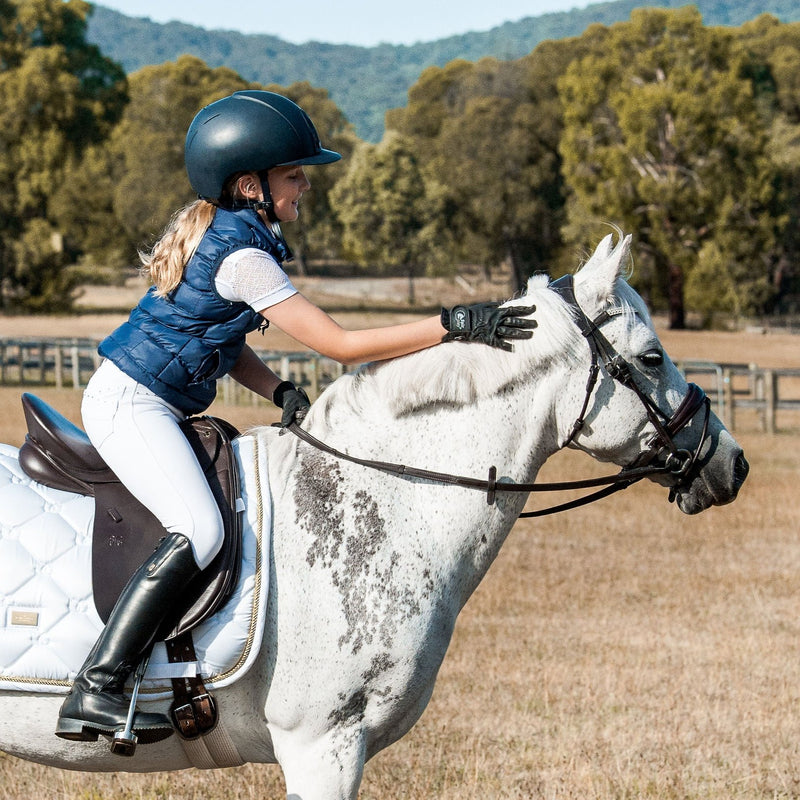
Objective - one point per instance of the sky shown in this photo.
(360, 22)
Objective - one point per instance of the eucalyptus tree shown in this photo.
(390, 220)
(58, 96)
(487, 134)
(663, 136)
(772, 53)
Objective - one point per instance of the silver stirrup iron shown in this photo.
(125, 741)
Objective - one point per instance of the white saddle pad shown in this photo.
(48, 622)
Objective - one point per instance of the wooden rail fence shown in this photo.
(734, 389)
(71, 362)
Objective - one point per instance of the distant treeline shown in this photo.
(685, 135)
(365, 82)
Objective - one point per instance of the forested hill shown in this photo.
(366, 81)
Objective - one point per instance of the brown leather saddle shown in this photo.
(58, 454)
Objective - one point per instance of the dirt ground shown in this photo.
(621, 650)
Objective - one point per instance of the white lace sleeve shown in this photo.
(253, 277)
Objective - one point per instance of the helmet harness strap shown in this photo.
(267, 203)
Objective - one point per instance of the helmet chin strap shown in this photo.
(266, 204)
(274, 225)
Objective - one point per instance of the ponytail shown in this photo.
(166, 262)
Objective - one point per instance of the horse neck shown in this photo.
(510, 430)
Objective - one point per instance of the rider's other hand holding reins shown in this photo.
(294, 402)
(488, 323)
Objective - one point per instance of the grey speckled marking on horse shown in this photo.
(318, 502)
(374, 601)
(353, 708)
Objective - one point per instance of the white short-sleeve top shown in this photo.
(253, 277)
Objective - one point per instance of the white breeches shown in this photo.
(137, 434)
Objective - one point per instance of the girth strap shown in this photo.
(194, 710)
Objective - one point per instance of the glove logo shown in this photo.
(459, 319)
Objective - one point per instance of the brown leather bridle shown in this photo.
(661, 456)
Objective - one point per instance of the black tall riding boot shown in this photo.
(96, 704)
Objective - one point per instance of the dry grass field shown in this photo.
(621, 650)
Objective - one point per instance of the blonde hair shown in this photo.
(166, 262)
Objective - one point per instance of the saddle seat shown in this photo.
(58, 454)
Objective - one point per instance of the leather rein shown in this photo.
(676, 462)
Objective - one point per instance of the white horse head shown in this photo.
(542, 384)
(370, 567)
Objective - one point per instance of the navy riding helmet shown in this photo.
(249, 131)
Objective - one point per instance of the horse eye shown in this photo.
(652, 358)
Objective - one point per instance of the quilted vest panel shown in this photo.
(179, 345)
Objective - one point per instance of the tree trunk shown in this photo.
(677, 314)
(519, 272)
(412, 289)
(299, 263)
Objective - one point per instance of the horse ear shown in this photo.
(596, 279)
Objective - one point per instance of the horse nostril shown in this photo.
(740, 470)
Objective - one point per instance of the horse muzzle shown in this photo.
(716, 483)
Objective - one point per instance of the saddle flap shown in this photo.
(210, 439)
(126, 533)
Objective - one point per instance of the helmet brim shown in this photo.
(323, 157)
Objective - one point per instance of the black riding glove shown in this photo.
(488, 323)
(294, 402)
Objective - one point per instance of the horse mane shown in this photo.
(459, 374)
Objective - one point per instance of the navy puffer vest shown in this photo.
(179, 345)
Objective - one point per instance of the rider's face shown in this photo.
(287, 185)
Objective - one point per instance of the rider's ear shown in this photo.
(248, 186)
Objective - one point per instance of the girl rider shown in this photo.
(217, 275)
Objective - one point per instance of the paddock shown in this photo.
(618, 650)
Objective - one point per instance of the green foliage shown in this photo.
(687, 136)
(487, 135)
(58, 96)
(365, 82)
(389, 220)
(668, 142)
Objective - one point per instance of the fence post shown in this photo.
(42, 364)
(770, 397)
(727, 389)
(755, 382)
(76, 367)
(59, 366)
(314, 378)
